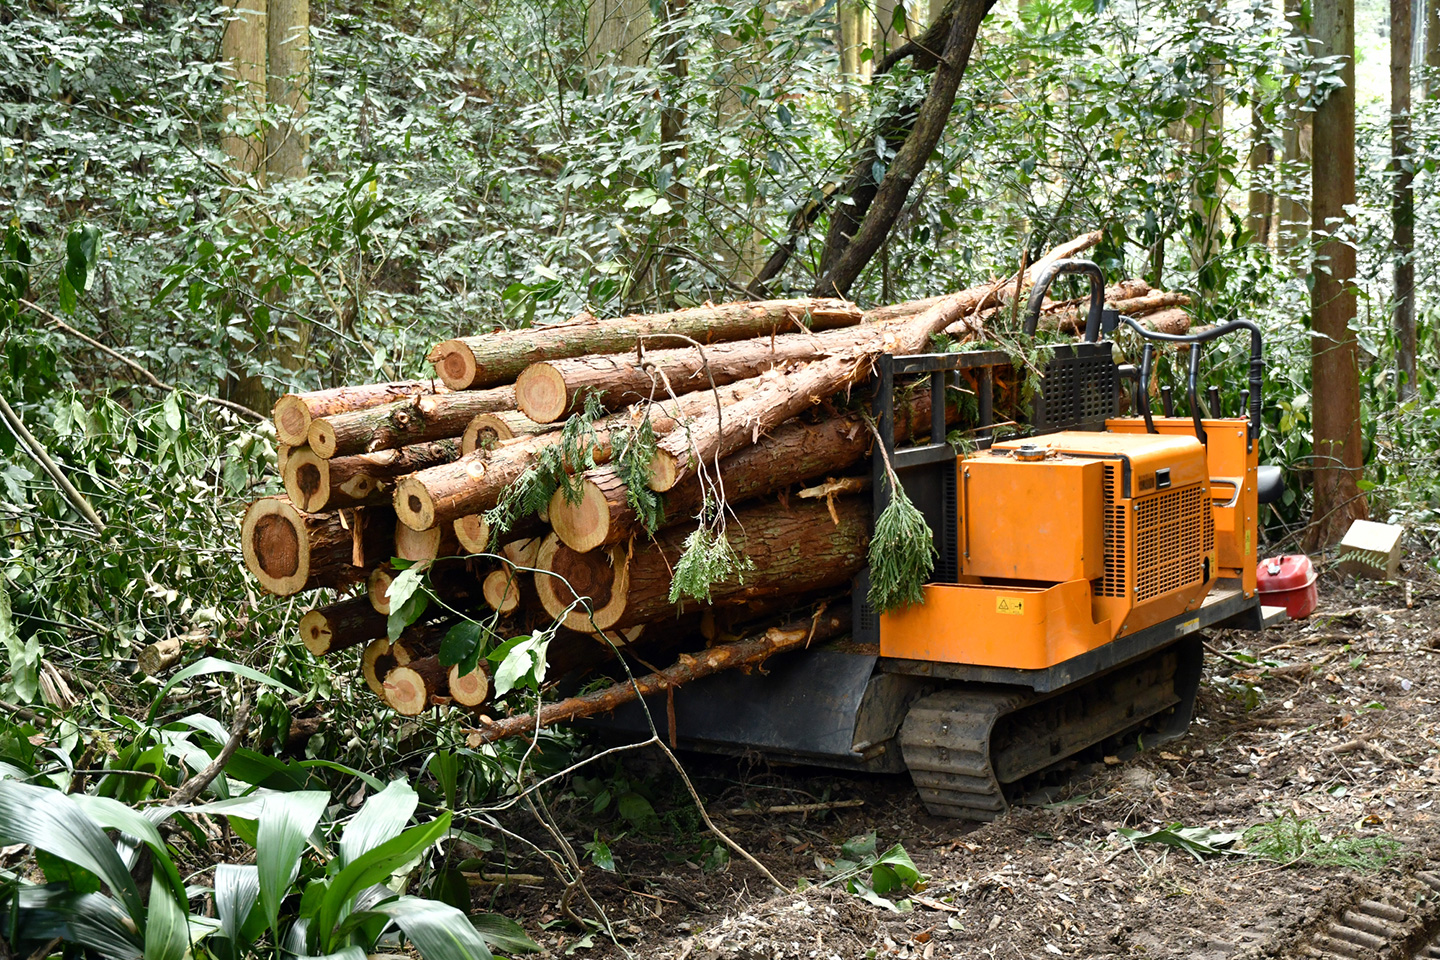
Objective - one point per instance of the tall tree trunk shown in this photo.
(243, 48)
(1401, 44)
(675, 64)
(854, 27)
(889, 36)
(1293, 228)
(1334, 366)
(1261, 207)
(288, 86)
(618, 29)
(1208, 144)
(1432, 48)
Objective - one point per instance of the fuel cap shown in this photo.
(1030, 452)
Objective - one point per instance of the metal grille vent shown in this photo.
(1171, 536)
(947, 567)
(1112, 584)
(1078, 391)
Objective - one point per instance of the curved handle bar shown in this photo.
(1257, 369)
(1042, 286)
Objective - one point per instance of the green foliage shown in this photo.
(1289, 840)
(637, 451)
(901, 554)
(707, 558)
(870, 875)
(1199, 842)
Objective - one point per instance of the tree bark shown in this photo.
(314, 484)
(794, 452)
(1334, 366)
(1294, 219)
(475, 483)
(1261, 206)
(549, 390)
(782, 396)
(1403, 207)
(242, 46)
(616, 30)
(1432, 48)
(421, 419)
(290, 551)
(467, 363)
(294, 411)
(1208, 143)
(288, 85)
(747, 653)
(880, 214)
(340, 626)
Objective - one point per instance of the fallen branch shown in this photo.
(28, 441)
(193, 787)
(794, 808)
(726, 656)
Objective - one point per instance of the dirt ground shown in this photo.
(1333, 728)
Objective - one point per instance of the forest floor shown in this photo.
(1342, 737)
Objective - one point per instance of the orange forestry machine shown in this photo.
(1076, 566)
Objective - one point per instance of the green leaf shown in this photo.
(382, 818)
(375, 866)
(167, 931)
(1199, 842)
(208, 665)
(460, 641)
(503, 933)
(438, 931)
(91, 920)
(237, 886)
(23, 656)
(286, 822)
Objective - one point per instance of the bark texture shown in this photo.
(339, 626)
(422, 419)
(1403, 205)
(468, 363)
(290, 551)
(294, 411)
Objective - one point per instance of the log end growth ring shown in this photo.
(292, 419)
(307, 480)
(405, 691)
(276, 548)
(471, 690)
(602, 578)
(502, 590)
(473, 533)
(321, 437)
(315, 632)
(377, 587)
(540, 393)
(582, 526)
(414, 505)
(484, 432)
(454, 364)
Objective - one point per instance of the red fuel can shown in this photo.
(1289, 582)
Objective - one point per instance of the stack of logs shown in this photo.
(746, 401)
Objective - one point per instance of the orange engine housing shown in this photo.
(1064, 548)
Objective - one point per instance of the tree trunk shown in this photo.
(475, 483)
(792, 453)
(243, 48)
(673, 47)
(748, 653)
(683, 453)
(1261, 207)
(1432, 48)
(340, 626)
(423, 419)
(1208, 143)
(549, 390)
(1403, 211)
(616, 30)
(1294, 220)
(316, 484)
(1334, 370)
(290, 551)
(933, 113)
(793, 549)
(295, 411)
(467, 363)
(289, 82)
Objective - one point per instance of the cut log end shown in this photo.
(484, 432)
(292, 419)
(321, 437)
(473, 533)
(406, 692)
(414, 505)
(502, 590)
(307, 480)
(600, 577)
(540, 393)
(377, 587)
(664, 471)
(417, 545)
(454, 364)
(276, 549)
(376, 656)
(315, 632)
(471, 690)
(582, 526)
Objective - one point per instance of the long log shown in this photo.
(727, 656)
(289, 550)
(381, 656)
(339, 626)
(294, 411)
(450, 581)
(794, 452)
(314, 483)
(793, 548)
(681, 453)
(550, 389)
(421, 419)
(468, 363)
(475, 483)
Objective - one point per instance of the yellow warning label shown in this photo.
(1014, 606)
(1247, 541)
(1189, 626)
